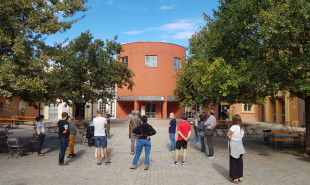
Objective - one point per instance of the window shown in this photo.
(177, 63)
(247, 108)
(102, 106)
(1, 106)
(150, 61)
(125, 60)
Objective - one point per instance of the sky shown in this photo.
(171, 21)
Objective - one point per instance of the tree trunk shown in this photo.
(307, 114)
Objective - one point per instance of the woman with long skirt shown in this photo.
(236, 149)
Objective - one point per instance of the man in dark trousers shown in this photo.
(63, 126)
(209, 130)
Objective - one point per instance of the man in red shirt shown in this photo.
(184, 132)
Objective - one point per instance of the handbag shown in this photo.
(202, 133)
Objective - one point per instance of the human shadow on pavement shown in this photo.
(78, 154)
(221, 170)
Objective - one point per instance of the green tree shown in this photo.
(23, 54)
(87, 71)
(260, 48)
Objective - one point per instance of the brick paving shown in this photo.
(262, 164)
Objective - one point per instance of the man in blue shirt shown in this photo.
(172, 127)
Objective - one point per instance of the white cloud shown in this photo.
(136, 32)
(180, 25)
(109, 2)
(165, 7)
(179, 30)
(182, 35)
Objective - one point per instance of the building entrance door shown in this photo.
(150, 110)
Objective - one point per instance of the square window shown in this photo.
(150, 61)
(125, 60)
(247, 108)
(177, 63)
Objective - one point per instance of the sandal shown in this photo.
(132, 167)
(236, 181)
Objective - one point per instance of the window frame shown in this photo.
(150, 56)
(247, 111)
(123, 60)
(179, 63)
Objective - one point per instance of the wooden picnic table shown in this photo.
(271, 135)
(222, 125)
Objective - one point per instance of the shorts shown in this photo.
(181, 144)
(100, 141)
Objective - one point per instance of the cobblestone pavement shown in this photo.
(262, 164)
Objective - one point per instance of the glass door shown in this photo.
(150, 110)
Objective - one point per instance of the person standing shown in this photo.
(172, 127)
(201, 130)
(134, 122)
(41, 134)
(184, 132)
(144, 131)
(128, 118)
(236, 149)
(72, 130)
(109, 123)
(63, 127)
(196, 122)
(100, 124)
(209, 132)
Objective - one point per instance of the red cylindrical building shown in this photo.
(155, 65)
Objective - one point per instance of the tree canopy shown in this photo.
(23, 54)
(87, 71)
(248, 50)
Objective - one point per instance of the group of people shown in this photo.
(140, 132)
(204, 128)
(67, 132)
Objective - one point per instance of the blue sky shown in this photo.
(172, 21)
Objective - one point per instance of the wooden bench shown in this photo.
(281, 140)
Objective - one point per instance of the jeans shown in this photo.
(209, 134)
(146, 143)
(172, 140)
(63, 147)
(197, 137)
(134, 140)
(41, 139)
(203, 146)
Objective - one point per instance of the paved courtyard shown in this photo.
(262, 164)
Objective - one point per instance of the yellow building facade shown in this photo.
(283, 108)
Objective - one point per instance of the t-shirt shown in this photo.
(61, 124)
(108, 116)
(99, 125)
(72, 129)
(129, 116)
(40, 124)
(237, 134)
(173, 125)
(184, 127)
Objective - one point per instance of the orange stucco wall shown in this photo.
(12, 109)
(151, 81)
